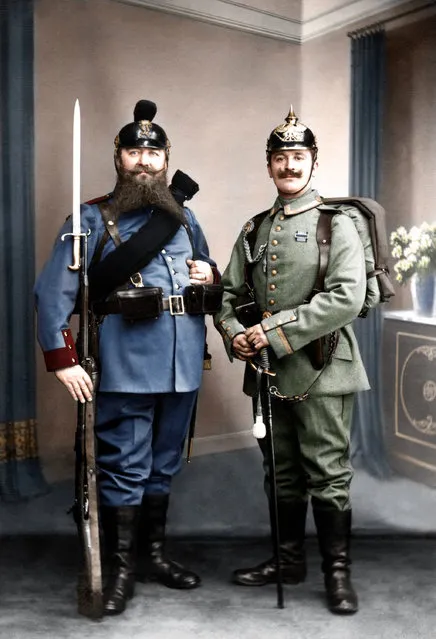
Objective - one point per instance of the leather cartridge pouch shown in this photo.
(140, 303)
(315, 352)
(248, 312)
(320, 351)
(203, 298)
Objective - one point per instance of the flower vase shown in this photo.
(423, 293)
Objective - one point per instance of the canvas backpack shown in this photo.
(379, 287)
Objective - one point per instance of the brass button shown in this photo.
(271, 302)
(70, 347)
(73, 360)
(273, 257)
(278, 228)
(272, 287)
(111, 223)
(274, 242)
(274, 272)
(282, 217)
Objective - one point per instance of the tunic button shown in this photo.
(272, 287)
(274, 242)
(271, 302)
(73, 360)
(163, 251)
(278, 228)
(282, 217)
(273, 257)
(274, 272)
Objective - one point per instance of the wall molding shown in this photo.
(347, 14)
(228, 13)
(242, 17)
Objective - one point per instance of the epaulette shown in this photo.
(102, 198)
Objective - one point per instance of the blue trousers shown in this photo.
(140, 441)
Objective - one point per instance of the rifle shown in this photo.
(85, 507)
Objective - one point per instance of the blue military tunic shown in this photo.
(150, 356)
(150, 369)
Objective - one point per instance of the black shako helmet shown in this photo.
(143, 132)
(292, 134)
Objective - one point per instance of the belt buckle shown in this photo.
(176, 304)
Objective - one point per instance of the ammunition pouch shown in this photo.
(140, 303)
(315, 352)
(147, 302)
(203, 299)
(247, 312)
(320, 351)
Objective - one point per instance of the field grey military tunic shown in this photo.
(311, 437)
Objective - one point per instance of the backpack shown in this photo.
(379, 284)
(380, 289)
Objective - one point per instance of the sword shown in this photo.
(76, 189)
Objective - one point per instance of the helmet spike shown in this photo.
(291, 118)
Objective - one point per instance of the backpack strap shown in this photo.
(324, 240)
(131, 256)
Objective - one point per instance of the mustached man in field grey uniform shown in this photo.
(311, 437)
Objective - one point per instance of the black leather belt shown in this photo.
(148, 302)
(175, 304)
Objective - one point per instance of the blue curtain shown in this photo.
(20, 473)
(367, 86)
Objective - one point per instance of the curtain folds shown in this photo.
(367, 86)
(20, 472)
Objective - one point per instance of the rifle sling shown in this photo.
(134, 254)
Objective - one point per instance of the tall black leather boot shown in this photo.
(120, 525)
(292, 530)
(334, 530)
(155, 565)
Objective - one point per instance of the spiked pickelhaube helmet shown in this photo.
(142, 132)
(292, 134)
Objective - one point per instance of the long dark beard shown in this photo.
(129, 194)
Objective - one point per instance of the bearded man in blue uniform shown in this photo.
(150, 368)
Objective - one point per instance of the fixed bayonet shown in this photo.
(85, 508)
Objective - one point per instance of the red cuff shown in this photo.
(62, 357)
(216, 275)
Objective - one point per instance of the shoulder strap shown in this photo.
(131, 256)
(324, 240)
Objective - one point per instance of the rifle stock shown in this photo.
(89, 586)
